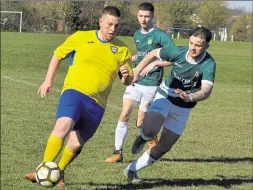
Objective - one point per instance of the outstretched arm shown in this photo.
(152, 65)
(144, 62)
(47, 84)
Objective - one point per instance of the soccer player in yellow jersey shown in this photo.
(97, 58)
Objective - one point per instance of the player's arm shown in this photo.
(153, 65)
(202, 94)
(126, 75)
(144, 62)
(61, 52)
(47, 84)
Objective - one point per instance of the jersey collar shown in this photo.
(103, 41)
(194, 62)
(150, 30)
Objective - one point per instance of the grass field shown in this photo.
(215, 151)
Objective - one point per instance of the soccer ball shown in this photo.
(48, 174)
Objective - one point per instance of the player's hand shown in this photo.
(124, 71)
(135, 78)
(148, 68)
(44, 88)
(134, 58)
(185, 96)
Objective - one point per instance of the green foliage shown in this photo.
(242, 28)
(128, 22)
(175, 14)
(213, 14)
(47, 16)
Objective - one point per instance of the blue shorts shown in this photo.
(85, 112)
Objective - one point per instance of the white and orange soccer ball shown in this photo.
(48, 174)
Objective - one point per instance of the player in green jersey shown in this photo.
(146, 39)
(190, 81)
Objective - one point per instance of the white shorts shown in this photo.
(175, 116)
(144, 95)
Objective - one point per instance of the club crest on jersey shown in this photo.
(150, 41)
(196, 74)
(114, 49)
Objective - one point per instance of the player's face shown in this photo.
(108, 26)
(145, 18)
(197, 46)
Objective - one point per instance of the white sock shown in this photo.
(142, 162)
(120, 134)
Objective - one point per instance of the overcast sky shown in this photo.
(246, 4)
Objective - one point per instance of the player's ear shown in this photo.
(100, 21)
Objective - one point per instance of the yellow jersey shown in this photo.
(95, 64)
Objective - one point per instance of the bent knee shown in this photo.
(124, 116)
(63, 126)
(148, 131)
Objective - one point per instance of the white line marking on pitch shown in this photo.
(24, 82)
(53, 89)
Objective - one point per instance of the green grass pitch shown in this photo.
(215, 151)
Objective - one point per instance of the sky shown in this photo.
(246, 4)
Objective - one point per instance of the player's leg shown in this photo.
(173, 128)
(148, 95)
(70, 152)
(66, 117)
(55, 141)
(153, 122)
(165, 143)
(130, 100)
(68, 113)
(84, 129)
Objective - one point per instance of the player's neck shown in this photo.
(101, 36)
(195, 59)
(148, 28)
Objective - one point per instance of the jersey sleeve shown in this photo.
(209, 72)
(66, 49)
(135, 38)
(166, 41)
(167, 53)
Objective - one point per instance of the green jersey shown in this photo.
(185, 74)
(146, 42)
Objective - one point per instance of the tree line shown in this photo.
(68, 16)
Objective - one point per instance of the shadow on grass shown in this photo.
(152, 183)
(213, 159)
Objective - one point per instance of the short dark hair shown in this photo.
(203, 32)
(145, 6)
(111, 10)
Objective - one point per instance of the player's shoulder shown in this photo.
(117, 42)
(138, 32)
(180, 49)
(159, 30)
(209, 58)
(85, 32)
